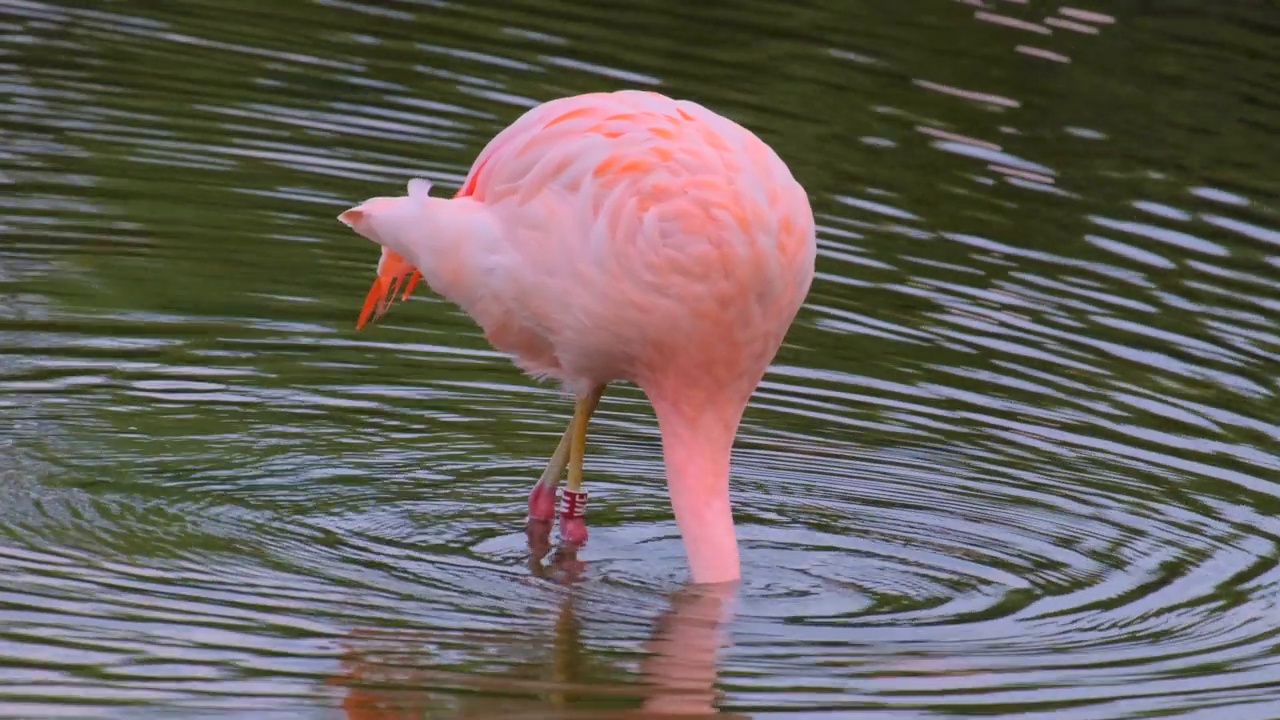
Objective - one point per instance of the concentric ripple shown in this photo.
(1018, 457)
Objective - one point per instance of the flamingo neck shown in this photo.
(696, 444)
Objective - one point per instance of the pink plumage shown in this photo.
(620, 236)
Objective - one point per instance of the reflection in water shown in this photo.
(1018, 457)
(395, 674)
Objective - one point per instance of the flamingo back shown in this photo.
(643, 232)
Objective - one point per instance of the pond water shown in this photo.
(1020, 456)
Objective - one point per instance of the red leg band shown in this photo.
(573, 503)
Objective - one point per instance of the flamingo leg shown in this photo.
(583, 408)
(542, 499)
(559, 460)
(573, 526)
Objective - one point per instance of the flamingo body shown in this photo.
(622, 236)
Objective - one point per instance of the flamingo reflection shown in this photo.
(400, 674)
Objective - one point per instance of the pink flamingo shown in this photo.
(619, 236)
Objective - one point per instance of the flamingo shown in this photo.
(619, 236)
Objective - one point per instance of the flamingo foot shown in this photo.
(538, 532)
(542, 503)
(573, 524)
(574, 530)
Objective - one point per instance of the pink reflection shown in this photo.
(1042, 53)
(546, 673)
(1012, 22)
(1088, 15)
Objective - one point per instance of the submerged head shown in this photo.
(391, 222)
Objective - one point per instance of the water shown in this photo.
(1018, 458)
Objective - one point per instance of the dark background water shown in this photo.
(1018, 458)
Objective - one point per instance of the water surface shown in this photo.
(1018, 457)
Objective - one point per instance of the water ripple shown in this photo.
(1017, 457)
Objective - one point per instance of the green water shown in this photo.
(1018, 458)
